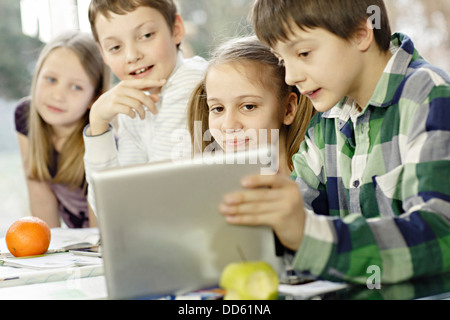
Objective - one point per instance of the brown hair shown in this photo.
(272, 18)
(250, 51)
(167, 8)
(40, 155)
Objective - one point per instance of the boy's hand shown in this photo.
(271, 200)
(128, 97)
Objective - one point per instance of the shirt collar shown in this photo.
(180, 61)
(403, 52)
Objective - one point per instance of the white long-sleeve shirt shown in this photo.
(163, 136)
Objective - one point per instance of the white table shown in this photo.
(72, 289)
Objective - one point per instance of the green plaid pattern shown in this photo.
(376, 184)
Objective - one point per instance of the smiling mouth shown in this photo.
(309, 93)
(55, 109)
(236, 142)
(312, 94)
(140, 71)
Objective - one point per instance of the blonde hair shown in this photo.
(70, 166)
(268, 71)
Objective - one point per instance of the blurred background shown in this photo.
(25, 25)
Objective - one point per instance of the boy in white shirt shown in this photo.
(139, 41)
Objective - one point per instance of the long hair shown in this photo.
(249, 51)
(70, 166)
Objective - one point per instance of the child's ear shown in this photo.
(291, 109)
(178, 29)
(364, 36)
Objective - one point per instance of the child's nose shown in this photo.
(133, 54)
(231, 121)
(294, 75)
(59, 92)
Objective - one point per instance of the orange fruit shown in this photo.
(28, 236)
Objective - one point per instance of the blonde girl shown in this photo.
(68, 78)
(243, 91)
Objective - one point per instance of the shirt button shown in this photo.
(356, 183)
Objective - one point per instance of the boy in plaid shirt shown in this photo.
(372, 178)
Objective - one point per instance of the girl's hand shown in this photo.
(128, 97)
(270, 200)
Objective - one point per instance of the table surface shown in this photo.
(95, 288)
(88, 282)
(89, 288)
(72, 289)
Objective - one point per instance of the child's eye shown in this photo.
(50, 79)
(249, 107)
(304, 54)
(147, 35)
(216, 109)
(77, 88)
(114, 49)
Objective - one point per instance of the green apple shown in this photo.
(255, 280)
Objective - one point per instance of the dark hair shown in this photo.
(272, 18)
(167, 8)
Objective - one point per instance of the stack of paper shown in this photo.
(52, 261)
(67, 239)
(68, 286)
(311, 289)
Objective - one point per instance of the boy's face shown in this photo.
(139, 44)
(324, 67)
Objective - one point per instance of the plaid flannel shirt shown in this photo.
(376, 183)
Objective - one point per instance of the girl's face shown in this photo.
(242, 113)
(64, 91)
